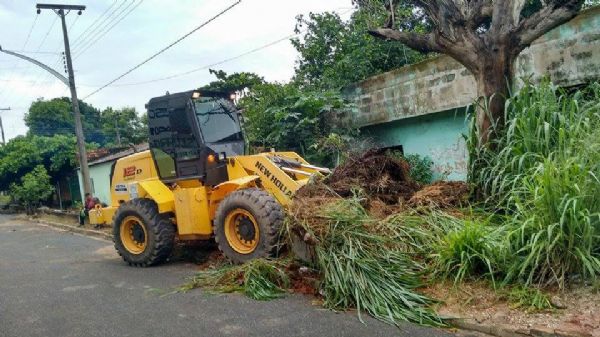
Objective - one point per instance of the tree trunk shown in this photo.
(492, 91)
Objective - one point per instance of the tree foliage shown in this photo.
(335, 53)
(230, 83)
(132, 129)
(55, 116)
(287, 118)
(22, 154)
(35, 186)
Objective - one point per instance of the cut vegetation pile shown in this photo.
(442, 194)
(371, 236)
(378, 175)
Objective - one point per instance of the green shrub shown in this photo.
(420, 168)
(34, 187)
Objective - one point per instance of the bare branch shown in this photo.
(424, 43)
(552, 15)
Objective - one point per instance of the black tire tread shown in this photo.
(161, 234)
(268, 213)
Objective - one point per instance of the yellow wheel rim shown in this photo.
(241, 231)
(133, 235)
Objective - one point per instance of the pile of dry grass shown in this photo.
(443, 194)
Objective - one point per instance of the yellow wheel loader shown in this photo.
(196, 183)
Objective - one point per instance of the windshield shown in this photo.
(218, 120)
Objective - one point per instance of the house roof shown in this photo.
(99, 158)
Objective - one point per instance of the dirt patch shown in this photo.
(477, 300)
(443, 194)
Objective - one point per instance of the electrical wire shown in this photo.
(47, 33)
(101, 28)
(80, 36)
(233, 58)
(165, 48)
(84, 49)
(100, 24)
(14, 65)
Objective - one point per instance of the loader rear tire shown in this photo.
(142, 236)
(248, 224)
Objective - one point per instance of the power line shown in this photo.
(84, 49)
(30, 31)
(80, 38)
(14, 65)
(74, 23)
(92, 39)
(165, 48)
(93, 23)
(102, 21)
(47, 33)
(233, 58)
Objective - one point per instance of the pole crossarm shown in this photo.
(38, 63)
(64, 7)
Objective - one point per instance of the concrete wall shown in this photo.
(421, 106)
(569, 55)
(434, 136)
(100, 175)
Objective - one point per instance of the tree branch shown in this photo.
(478, 12)
(424, 43)
(554, 14)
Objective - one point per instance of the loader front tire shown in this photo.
(142, 236)
(247, 225)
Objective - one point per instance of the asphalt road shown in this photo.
(54, 283)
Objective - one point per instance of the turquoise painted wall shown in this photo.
(438, 136)
(100, 175)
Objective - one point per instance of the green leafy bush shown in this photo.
(285, 117)
(34, 187)
(420, 168)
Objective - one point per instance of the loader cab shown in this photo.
(192, 134)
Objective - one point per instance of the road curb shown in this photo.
(500, 330)
(73, 229)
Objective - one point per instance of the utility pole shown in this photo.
(2, 126)
(82, 155)
(117, 128)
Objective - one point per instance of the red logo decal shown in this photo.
(129, 172)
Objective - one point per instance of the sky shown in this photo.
(113, 36)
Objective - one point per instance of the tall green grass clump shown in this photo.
(371, 266)
(543, 171)
(466, 248)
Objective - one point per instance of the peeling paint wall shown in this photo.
(409, 106)
(435, 135)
